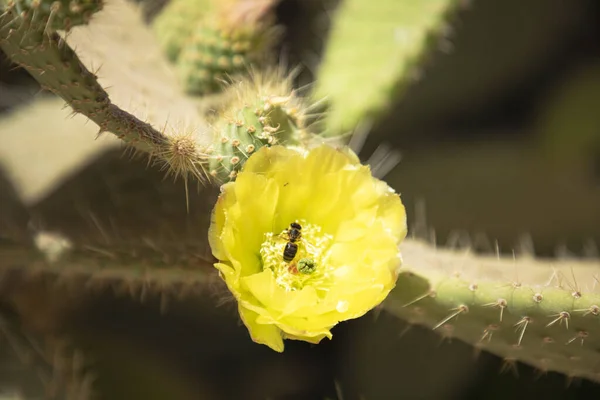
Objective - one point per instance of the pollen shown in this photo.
(313, 255)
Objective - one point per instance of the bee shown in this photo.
(294, 233)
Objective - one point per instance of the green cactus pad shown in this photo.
(57, 14)
(208, 58)
(372, 52)
(175, 24)
(528, 311)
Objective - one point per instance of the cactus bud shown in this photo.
(264, 111)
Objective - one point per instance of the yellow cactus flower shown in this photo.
(339, 262)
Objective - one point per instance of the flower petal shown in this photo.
(265, 334)
(225, 200)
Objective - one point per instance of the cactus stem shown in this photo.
(542, 318)
(58, 69)
(81, 268)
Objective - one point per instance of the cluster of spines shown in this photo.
(247, 127)
(56, 14)
(260, 109)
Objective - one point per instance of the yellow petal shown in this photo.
(392, 214)
(225, 201)
(314, 339)
(273, 297)
(266, 334)
(256, 197)
(299, 327)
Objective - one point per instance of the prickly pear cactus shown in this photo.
(226, 43)
(533, 312)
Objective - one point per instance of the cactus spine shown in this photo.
(544, 315)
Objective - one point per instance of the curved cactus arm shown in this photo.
(24, 37)
(78, 269)
(58, 69)
(545, 314)
(374, 50)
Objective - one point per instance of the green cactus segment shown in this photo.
(525, 311)
(80, 268)
(222, 46)
(48, 58)
(209, 57)
(246, 127)
(372, 53)
(175, 24)
(57, 14)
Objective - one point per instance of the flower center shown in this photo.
(298, 256)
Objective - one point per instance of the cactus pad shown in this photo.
(543, 316)
(175, 24)
(372, 52)
(224, 45)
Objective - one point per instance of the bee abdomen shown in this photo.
(290, 251)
